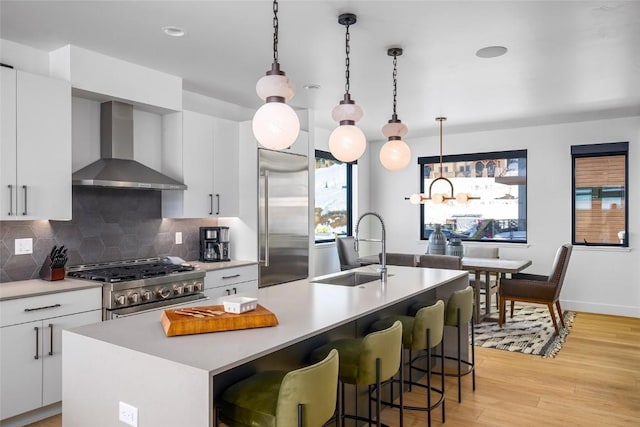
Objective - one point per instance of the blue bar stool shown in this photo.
(371, 361)
(304, 397)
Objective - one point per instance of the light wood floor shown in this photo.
(594, 381)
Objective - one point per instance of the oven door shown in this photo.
(153, 306)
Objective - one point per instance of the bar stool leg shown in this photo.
(428, 379)
(459, 360)
(378, 386)
(401, 386)
(473, 354)
(300, 415)
(442, 377)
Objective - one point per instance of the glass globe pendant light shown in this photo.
(395, 154)
(347, 142)
(275, 124)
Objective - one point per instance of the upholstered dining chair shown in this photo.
(447, 262)
(536, 288)
(347, 253)
(406, 260)
(490, 281)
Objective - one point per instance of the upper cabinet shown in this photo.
(201, 151)
(35, 147)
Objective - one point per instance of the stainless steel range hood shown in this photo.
(116, 167)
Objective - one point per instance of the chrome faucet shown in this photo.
(383, 240)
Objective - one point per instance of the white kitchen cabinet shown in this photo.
(231, 281)
(35, 149)
(30, 350)
(205, 157)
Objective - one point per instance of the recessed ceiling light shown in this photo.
(491, 51)
(173, 31)
(311, 86)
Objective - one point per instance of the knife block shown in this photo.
(47, 272)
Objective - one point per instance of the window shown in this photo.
(498, 178)
(334, 195)
(600, 194)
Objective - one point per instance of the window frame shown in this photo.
(606, 149)
(473, 157)
(328, 156)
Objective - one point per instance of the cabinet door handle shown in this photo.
(228, 292)
(218, 200)
(266, 220)
(10, 199)
(50, 339)
(37, 356)
(42, 308)
(210, 204)
(235, 291)
(24, 187)
(231, 277)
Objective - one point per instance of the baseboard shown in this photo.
(32, 416)
(588, 307)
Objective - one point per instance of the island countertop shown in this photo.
(303, 308)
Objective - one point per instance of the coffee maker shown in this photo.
(214, 244)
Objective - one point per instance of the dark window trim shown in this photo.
(327, 155)
(508, 154)
(600, 150)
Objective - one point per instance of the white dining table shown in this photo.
(499, 266)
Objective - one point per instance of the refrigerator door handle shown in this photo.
(266, 219)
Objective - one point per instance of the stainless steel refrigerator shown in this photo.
(283, 219)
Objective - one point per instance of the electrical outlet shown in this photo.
(128, 414)
(178, 237)
(24, 246)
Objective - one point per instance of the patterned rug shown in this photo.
(530, 331)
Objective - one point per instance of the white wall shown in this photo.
(598, 280)
(24, 58)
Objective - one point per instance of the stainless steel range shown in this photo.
(131, 287)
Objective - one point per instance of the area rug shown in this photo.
(530, 331)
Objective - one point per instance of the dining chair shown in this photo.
(537, 289)
(447, 262)
(406, 260)
(347, 254)
(490, 281)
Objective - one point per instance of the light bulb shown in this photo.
(462, 197)
(416, 198)
(276, 125)
(395, 155)
(437, 198)
(347, 143)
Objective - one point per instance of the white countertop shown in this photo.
(304, 309)
(35, 287)
(211, 266)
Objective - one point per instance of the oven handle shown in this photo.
(131, 311)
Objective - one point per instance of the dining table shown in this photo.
(487, 266)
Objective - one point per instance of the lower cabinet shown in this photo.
(31, 361)
(231, 281)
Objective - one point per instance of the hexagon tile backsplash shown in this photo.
(108, 225)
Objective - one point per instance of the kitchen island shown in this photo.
(174, 380)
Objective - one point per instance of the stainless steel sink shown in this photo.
(352, 278)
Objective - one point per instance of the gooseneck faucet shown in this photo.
(383, 240)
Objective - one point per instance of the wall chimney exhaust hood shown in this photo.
(116, 167)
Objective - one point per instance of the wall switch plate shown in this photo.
(128, 414)
(178, 237)
(24, 246)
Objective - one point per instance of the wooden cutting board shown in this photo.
(213, 318)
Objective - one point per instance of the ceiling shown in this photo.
(566, 60)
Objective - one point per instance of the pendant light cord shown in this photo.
(347, 60)
(395, 83)
(275, 31)
(441, 119)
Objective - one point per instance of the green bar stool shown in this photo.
(423, 331)
(459, 313)
(371, 361)
(304, 397)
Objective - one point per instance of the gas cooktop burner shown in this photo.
(130, 272)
